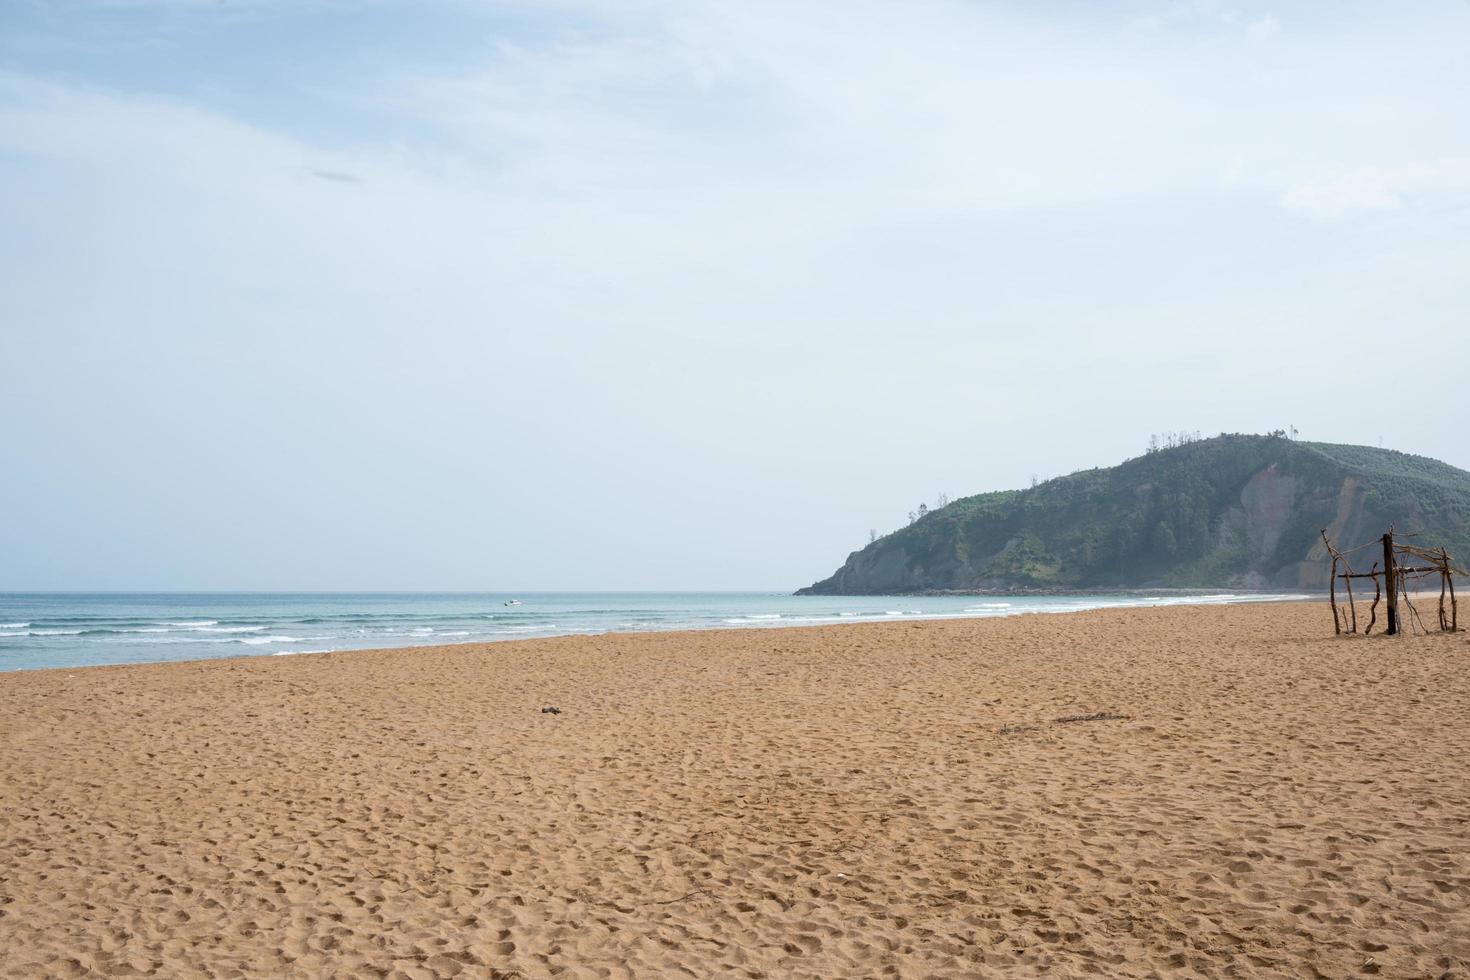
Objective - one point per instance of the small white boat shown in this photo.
(513, 602)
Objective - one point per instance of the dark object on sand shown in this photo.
(551, 711)
(1100, 716)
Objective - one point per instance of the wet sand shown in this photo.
(1238, 794)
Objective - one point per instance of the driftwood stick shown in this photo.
(1332, 584)
(1444, 622)
(1410, 570)
(1377, 594)
(1403, 570)
(1414, 616)
(1352, 606)
(1332, 600)
(1435, 555)
(1454, 607)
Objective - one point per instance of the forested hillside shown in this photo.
(1238, 511)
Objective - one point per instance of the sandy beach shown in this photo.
(1211, 791)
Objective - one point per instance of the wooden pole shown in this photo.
(1391, 584)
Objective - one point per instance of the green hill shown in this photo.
(1235, 511)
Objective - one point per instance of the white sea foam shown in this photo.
(193, 622)
(178, 628)
(258, 640)
(13, 626)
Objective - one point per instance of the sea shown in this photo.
(40, 630)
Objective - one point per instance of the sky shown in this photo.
(582, 294)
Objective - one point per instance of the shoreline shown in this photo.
(1220, 599)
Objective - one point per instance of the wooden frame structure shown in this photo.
(1391, 578)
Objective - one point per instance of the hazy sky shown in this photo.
(600, 294)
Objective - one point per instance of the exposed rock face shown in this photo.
(1234, 511)
(1267, 500)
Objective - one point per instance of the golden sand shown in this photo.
(878, 800)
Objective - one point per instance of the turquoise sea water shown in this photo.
(76, 630)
